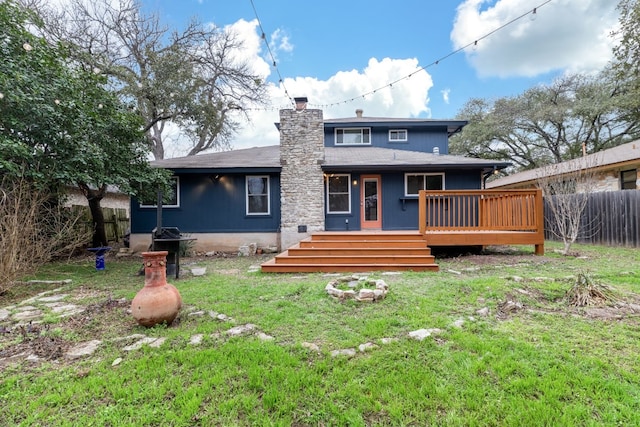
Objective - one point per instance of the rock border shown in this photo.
(371, 291)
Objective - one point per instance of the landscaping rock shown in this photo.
(347, 352)
(310, 346)
(196, 339)
(367, 347)
(264, 337)
(241, 330)
(421, 334)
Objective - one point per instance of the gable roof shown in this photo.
(336, 158)
(611, 158)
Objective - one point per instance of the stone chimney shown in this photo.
(301, 178)
(359, 113)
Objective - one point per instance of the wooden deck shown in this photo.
(446, 218)
(482, 217)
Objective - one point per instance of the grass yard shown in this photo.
(506, 347)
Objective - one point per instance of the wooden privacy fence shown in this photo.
(609, 218)
(482, 217)
(116, 221)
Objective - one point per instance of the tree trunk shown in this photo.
(97, 218)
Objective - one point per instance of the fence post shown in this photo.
(539, 222)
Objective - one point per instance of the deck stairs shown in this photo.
(355, 252)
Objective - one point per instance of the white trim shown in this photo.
(177, 205)
(424, 175)
(349, 193)
(268, 194)
(398, 132)
(353, 131)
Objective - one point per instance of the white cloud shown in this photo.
(280, 41)
(445, 95)
(341, 94)
(567, 35)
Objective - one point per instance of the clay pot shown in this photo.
(158, 301)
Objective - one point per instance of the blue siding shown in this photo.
(210, 206)
(338, 222)
(398, 212)
(424, 140)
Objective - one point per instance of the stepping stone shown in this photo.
(158, 342)
(83, 349)
(27, 315)
(4, 314)
(53, 298)
(138, 344)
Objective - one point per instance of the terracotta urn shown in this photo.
(158, 301)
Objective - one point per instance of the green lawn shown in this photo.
(541, 363)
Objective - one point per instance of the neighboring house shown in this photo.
(360, 173)
(113, 199)
(614, 169)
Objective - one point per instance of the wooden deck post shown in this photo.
(422, 212)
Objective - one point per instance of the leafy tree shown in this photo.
(548, 124)
(193, 79)
(59, 126)
(626, 65)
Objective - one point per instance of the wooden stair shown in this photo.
(355, 252)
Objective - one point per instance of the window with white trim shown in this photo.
(169, 200)
(414, 182)
(339, 193)
(258, 195)
(353, 136)
(397, 135)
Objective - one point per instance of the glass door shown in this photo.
(371, 207)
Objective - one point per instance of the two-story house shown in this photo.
(351, 174)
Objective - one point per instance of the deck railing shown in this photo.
(481, 210)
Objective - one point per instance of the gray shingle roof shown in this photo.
(256, 157)
(602, 159)
(335, 158)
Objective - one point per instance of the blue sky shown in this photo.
(334, 51)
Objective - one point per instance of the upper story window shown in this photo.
(258, 197)
(398, 135)
(414, 182)
(628, 179)
(353, 136)
(339, 193)
(169, 200)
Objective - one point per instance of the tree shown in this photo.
(566, 188)
(626, 65)
(548, 124)
(193, 79)
(59, 126)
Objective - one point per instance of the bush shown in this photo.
(33, 230)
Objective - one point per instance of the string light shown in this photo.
(273, 59)
(473, 44)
